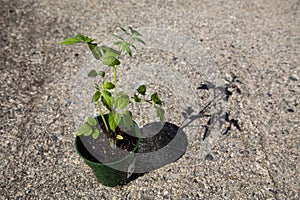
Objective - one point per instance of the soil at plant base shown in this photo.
(100, 151)
(163, 137)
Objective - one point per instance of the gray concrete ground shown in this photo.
(257, 41)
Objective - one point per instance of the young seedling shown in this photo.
(106, 94)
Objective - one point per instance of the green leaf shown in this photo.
(91, 121)
(121, 100)
(160, 113)
(125, 47)
(112, 54)
(96, 134)
(108, 85)
(111, 61)
(155, 99)
(119, 137)
(102, 73)
(122, 103)
(124, 30)
(84, 129)
(95, 50)
(96, 96)
(78, 39)
(71, 40)
(92, 73)
(97, 53)
(139, 40)
(106, 99)
(127, 118)
(110, 51)
(117, 118)
(134, 32)
(106, 93)
(106, 103)
(136, 98)
(113, 120)
(92, 46)
(142, 89)
(84, 38)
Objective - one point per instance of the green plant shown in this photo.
(106, 93)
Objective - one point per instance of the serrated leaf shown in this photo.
(97, 53)
(134, 32)
(113, 120)
(91, 121)
(124, 30)
(96, 96)
(119, 137)
(139, 40)
(136, 98)
(96, 134)
(84, 129)
(108, 85)
(122, 103)
(121, 100)
(155, 99)
(84, 38)
(92, 46)
(112, 54)
(117, 118)
(106, 103)
(95, 50)
(106, 93)
(142, 89)
(92, 73)
(71, 40)
(160, 113)
(110, 51)
(106, 99)
(111, 61)
(125, 47)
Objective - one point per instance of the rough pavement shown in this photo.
(255, 41)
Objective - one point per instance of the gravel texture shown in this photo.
(253, 44)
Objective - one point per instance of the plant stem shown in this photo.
(115, 79)
(102, 116)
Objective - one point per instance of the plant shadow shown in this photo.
(170, 143)
(160, 149)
